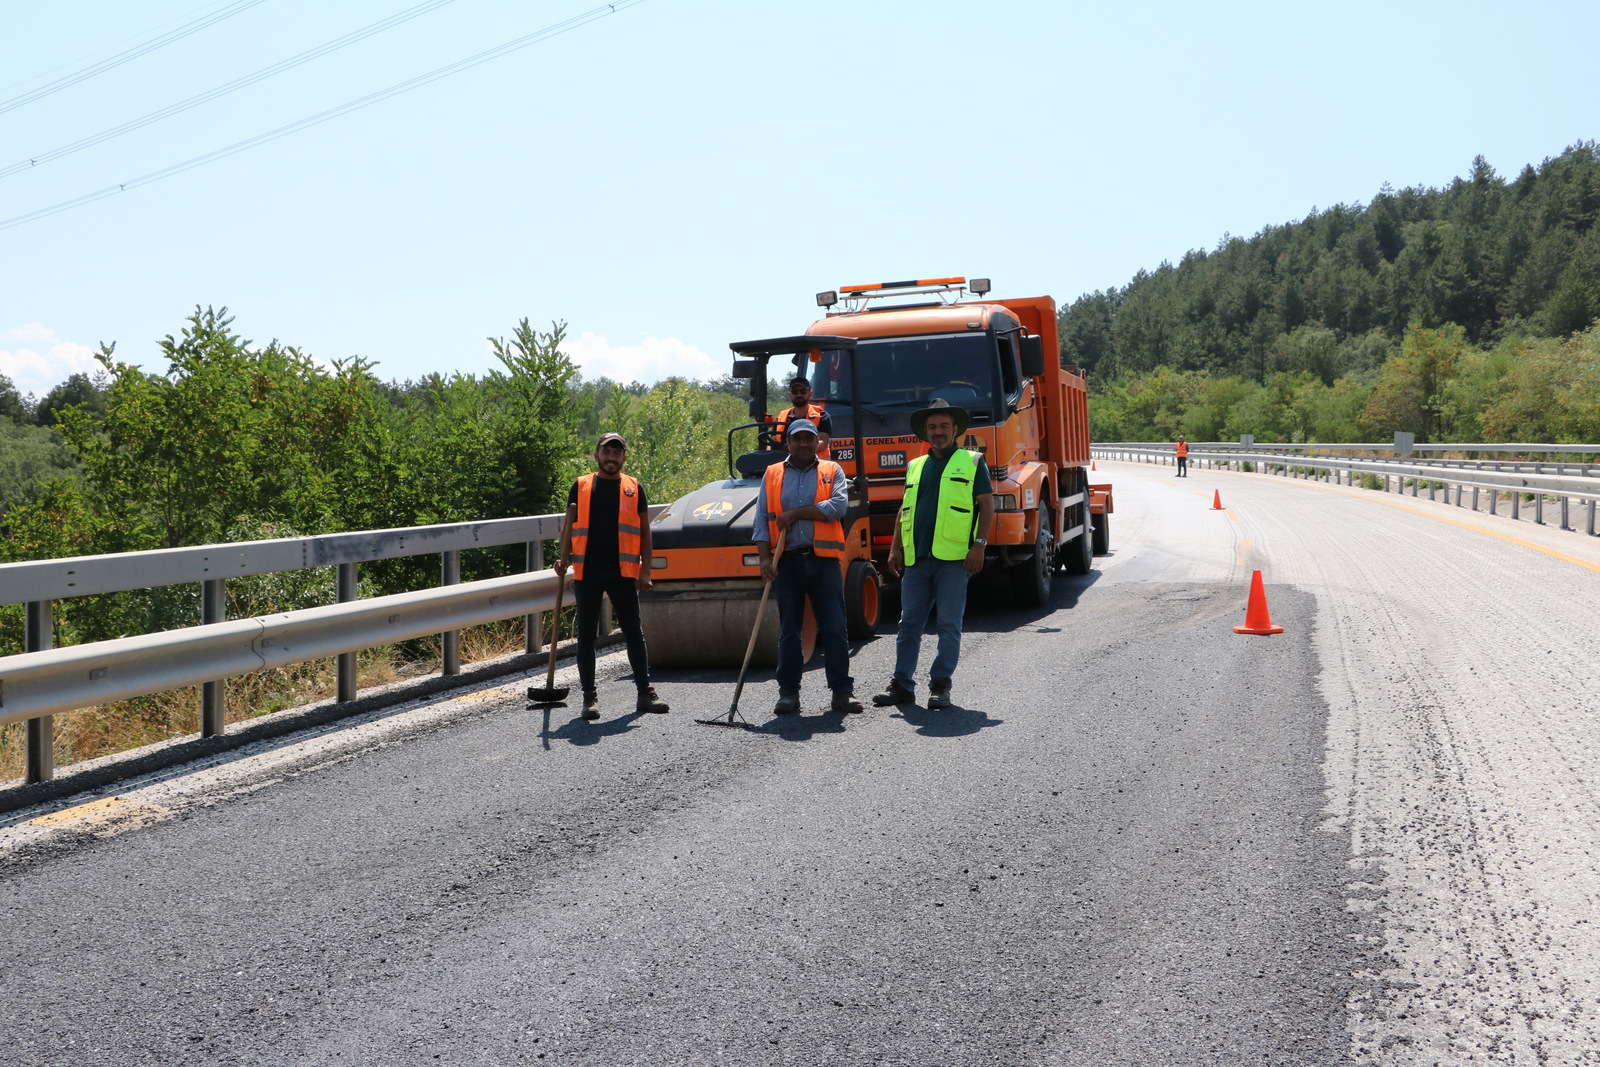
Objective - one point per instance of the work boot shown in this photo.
(895, 694)
(938, 696)
(788, 704)
(648, 701)
(591, 706)
(845, 702)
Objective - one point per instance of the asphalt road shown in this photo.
(1138, 839)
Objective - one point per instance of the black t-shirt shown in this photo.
(601, 551)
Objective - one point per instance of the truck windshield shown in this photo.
(904, 373)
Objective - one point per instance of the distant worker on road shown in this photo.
(939, 539)
(801, 407)
(1182, 448)
(804, 498)
(606, 539)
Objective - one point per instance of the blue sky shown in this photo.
(686, 173)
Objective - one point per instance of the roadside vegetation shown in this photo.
(237, 441)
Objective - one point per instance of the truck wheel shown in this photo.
(1079, 554)
(1102, 534)
(861, 600)
(1033, 577)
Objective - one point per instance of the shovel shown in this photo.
(548, 693)
(749, 650)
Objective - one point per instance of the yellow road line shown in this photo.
(104, 810)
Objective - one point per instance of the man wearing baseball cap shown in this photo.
(803, 500)
(801, 407)
(606, 539)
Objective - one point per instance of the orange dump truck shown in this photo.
(889, 350)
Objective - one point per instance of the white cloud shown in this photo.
(39, 369)
(649, 361)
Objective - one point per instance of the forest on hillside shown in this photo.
(1456, 313)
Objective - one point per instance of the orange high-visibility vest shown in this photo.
(814, 413)
(1183, 448)
(827, 538)
(630, 522)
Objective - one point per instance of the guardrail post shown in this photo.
(532, 625)
(212, 610)
(1474, 499)
(1591, 518)
(1564, 525)
(38, 635)
(347, 660)
(605, 617)
(450, 574)
(1432, 488)
(1516, 505)
(1538, 506)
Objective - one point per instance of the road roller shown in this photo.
(706, 569)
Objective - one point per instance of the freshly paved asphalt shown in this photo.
(1138, 839)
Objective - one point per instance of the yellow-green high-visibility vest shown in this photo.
(957, 520)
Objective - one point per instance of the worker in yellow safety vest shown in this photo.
(940, 538)
(606, 540)
(803, 499)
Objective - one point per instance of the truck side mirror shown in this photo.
(1032, 356)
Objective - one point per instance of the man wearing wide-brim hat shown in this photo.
(939, 541)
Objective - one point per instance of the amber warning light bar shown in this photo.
(877, 290)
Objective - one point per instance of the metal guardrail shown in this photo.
(1583, 485)
(62, 679)
(1458, 455)
(43, 681)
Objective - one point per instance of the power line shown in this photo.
(109, 47)
(553, 30)
(131, 54)
(223, 90)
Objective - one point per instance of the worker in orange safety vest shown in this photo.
(606, 539)
(801, 407)
(1182, 448)
(804, 499)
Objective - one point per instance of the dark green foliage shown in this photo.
(12, 406)
(30, 457)
(241, 442)
(1324, 295)
(80, 390)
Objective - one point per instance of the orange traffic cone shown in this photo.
(1216, 500)
(1091, 465)
(1257, 620)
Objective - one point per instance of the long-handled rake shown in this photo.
(749, 650)
(548, 693)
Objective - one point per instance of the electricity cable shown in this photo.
(8, 86)
(553, 30)
(131, 54)
(223, 90)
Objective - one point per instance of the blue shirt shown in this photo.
(800, 489)
(927, 516)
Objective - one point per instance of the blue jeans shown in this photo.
(926, 583)
(803, 575)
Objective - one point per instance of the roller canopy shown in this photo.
(783, 346)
